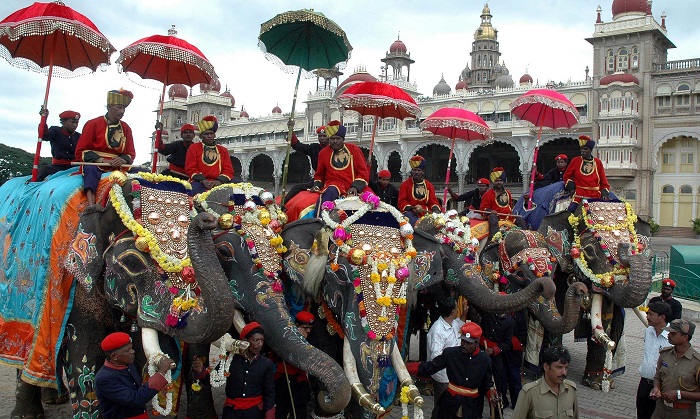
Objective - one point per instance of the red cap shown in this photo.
(471, 332)
(562, 157)
(69, 115)
(321, 129)
(483, 181)
(187, 127)
(669, 282)
(115, 341)
(249, 328)
(384, 174)
(304, 317)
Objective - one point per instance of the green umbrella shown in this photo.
(307, 40)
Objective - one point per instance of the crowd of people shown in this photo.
(470, 361)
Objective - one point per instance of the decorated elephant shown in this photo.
(138, 262)
(250, 248)
(364, 266)
(606, 247)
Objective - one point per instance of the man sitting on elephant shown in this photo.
(208, 164)
(417, 195)
(585, 175)
(498, 201)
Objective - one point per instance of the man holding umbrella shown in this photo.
(177, 152)
(497, 201)
(63, 140)
(472, 199)
(208, 164)
(106, 139)
(417, 195)
(585, 176)
(312, 151)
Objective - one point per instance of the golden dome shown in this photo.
(485, 31)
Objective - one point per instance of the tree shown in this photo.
(16, 162)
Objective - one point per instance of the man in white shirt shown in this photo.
(444, 333)
(655, 338)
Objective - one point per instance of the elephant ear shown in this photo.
(558, 234)
(85, 256)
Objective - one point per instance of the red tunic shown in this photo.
(341, 169)
(423, 193)
(588, 176)
(102, 140)
(214, 164)
(500, 203)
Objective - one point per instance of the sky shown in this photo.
(546, 38)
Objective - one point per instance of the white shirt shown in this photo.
(440, 336)
(652, 345)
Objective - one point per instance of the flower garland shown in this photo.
(153, 362)
(455, 232)
(270, 218)
(219, 372)
(417, 410)
(618, 273)
(383, 265)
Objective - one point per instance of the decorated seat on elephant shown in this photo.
(37, 221)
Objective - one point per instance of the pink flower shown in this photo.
(339, 233)
(171, 320)
(251, 244)
(174, 290)
(328, 205)
(277, 286)
(371, 334)
(402, 273)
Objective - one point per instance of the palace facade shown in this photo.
(642, 110)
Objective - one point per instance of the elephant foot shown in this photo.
(595, 381)
(27, 401)
(50, 396)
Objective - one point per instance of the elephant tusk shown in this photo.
(358, 390)
(597, 322)
(642, 316)
(149, 338)
(238, 321)
(404, 377)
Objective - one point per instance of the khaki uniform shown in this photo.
(537, 400)
(677, 374)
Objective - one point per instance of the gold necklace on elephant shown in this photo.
(611, 225)
(381, 266)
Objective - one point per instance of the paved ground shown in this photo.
(617, 404)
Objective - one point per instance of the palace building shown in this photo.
(642, 110)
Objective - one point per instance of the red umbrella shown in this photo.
(544, 108)
(47, 35)
(381, 100)
(456, 123)
(167, 59)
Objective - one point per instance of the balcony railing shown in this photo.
(679, 65)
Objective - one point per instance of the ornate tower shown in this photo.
(397, 58)
(485, 56)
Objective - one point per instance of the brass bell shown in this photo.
(226, 221)
(142, 244)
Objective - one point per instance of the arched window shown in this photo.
(610, 60)
(667, 189)
(634, 58)
(623, 59)
(686, 189)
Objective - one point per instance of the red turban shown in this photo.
(585, 141)
(497, 173)
(304, 317)
(186, 127)
(208, 123)
(68, 115)
(115, 341)
(249, 328)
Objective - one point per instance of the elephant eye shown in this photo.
(589, 252)
(133, 262)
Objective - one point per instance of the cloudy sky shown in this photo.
(546, 37)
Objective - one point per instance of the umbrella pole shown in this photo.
(42, 123)
(159, 132)
(371, 144)
(534, 169)
(447, 176)
(290, 124)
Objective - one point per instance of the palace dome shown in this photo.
(177, 90)
(398, 46)
(619, 77)
(525, 78)
(442, 88)
(461, 85)
(357, 76)
(213, 86)
(228, 94)
(637, 7)
(244, 114)
(276, 110)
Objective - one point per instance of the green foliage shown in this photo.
(653, 226)
(696, 225)
(16, 162)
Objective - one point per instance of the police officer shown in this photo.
(677, 380)
(667, 287)
(469, 372)
(552, 393)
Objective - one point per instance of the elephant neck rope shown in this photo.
(378, 263)
(614, 227)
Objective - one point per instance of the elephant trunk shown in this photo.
(480, 295)
(216, 295)
(285, 340)
(547, 313)
(634, 292)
